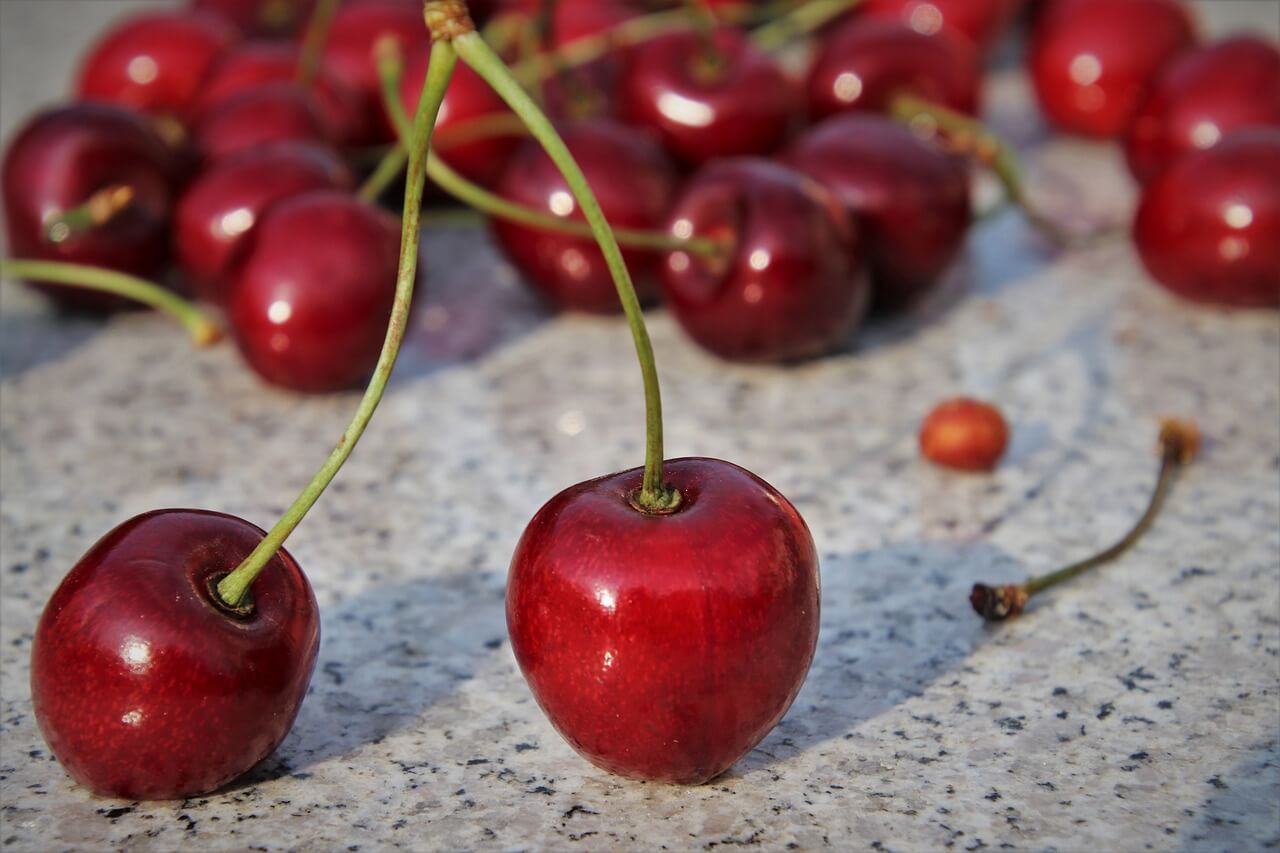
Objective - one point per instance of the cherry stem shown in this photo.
(800, 21)
(655, 495)
(1179, 441)
(99, 209)
(233, 587)
(313, 42)
(203, 331)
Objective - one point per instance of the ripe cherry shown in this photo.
(634, 183)
(965, 434)
(981, 22)
(1208, 227)
(790, 288)
(910, 198)
(1200, 97)
(665, 647)
(260, 18)
(310, 295)
(1091, 61)
(277, 112)
(144, 685)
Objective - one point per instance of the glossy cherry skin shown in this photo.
(865, 62)
(63, 156)
(143, 687)
(981, 22)
(745, 106)
(910, 198)
(260, 18)
(154, 62)
(310, 296)
(792, 286)
(964, 434)
(1092, 61)
(276, 112)
(218, 210)
(634, 183)
(1208, 228)
(665, 647)
(1200, 97)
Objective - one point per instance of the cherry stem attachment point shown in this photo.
(233, 587)
(203, 331)
(313, 42)
(1178, 443)
(99, 209)
(800, 21)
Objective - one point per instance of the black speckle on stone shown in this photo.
(474, 761)
(1105, 710)
(1048, 786)
(1011, 725)
(333, 669)
(993, 796)
(525, 747)
(1164, 704)
(18, 568)
(1059, 691)
(118, 811)
(577, 809)
(1062, 715)
(1139, 756)
(1217, 782)
(493, 644)
(542, 789)
(400, 824)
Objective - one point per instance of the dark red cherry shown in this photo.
(634, 183)
(865, 62)
(217, 211)
(1208, 228)
(1091, 61)
(737, 101)
(310, 296)
(791, 287)
(665, 647)
(981, 22)
(590, 89)
(910, 198)
(260, 18)
(154, 61)
(63, 156)
(1200, 97)
(276, 112)
(143, 686)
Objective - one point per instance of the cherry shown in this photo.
(791, 287)
(731, 102)
(981, 22)
(634, 182)
(275, 112)
(155, 61)
(865, 62)
(910, 197)
(260, 18)
(1208, 228)
(310, 295)
(218, 210)
(665, 647)
(965, 434)
(1091, 61)
(1201, 96)
(143, 685)
(61, 158)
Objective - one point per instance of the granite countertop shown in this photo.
(1137, 708)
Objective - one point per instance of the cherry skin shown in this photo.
(217, 211)
(792, 286)
(277, 112)
(1208, 228)
(260, 18)
(964, 434)
(185, 696)
(63, 156)
(665, 647)
(1201, 96)
(1091, 61)
(310, 295)
(910, 198)
(741, 103)
(634, 183)
(865, 62)
(154, 62)
(981, 22)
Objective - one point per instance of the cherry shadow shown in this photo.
(29, 339)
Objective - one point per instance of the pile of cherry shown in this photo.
(197, 132)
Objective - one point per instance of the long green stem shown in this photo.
(203, 331)
(654, 494)
(587, 49)
(233, 587)
(314, 41)
(800, 21)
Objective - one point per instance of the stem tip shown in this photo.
(997, 603)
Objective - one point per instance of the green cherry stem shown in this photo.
(314, 41)
(232, 588)
(654, 495)
(97, 210)
(203, 331)
(800, 21)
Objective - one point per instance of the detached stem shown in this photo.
(800, 21)
(203, 331)
(233, 587)
(314, 41)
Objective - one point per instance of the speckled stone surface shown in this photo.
(1138, 708)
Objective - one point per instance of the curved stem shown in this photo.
(203, 331)
(233, 587)
(587, 49)
(97, 210)
(384, 174)
(313, 42)
(654, 495)
(800, 21)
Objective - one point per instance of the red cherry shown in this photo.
(1200, 97)
(310, 296)
(143, 687)
(791, 287)
(964, 434)
(218, 210)
(260, 18)
(743, 104)
(981, 22)
(863, 63)
(154, 62)
(63, 156)
(277, 112)
(1092, 60)
(665, 647)
(1208, 228)
(634, 183)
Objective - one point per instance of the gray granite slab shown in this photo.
(1138, 708)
